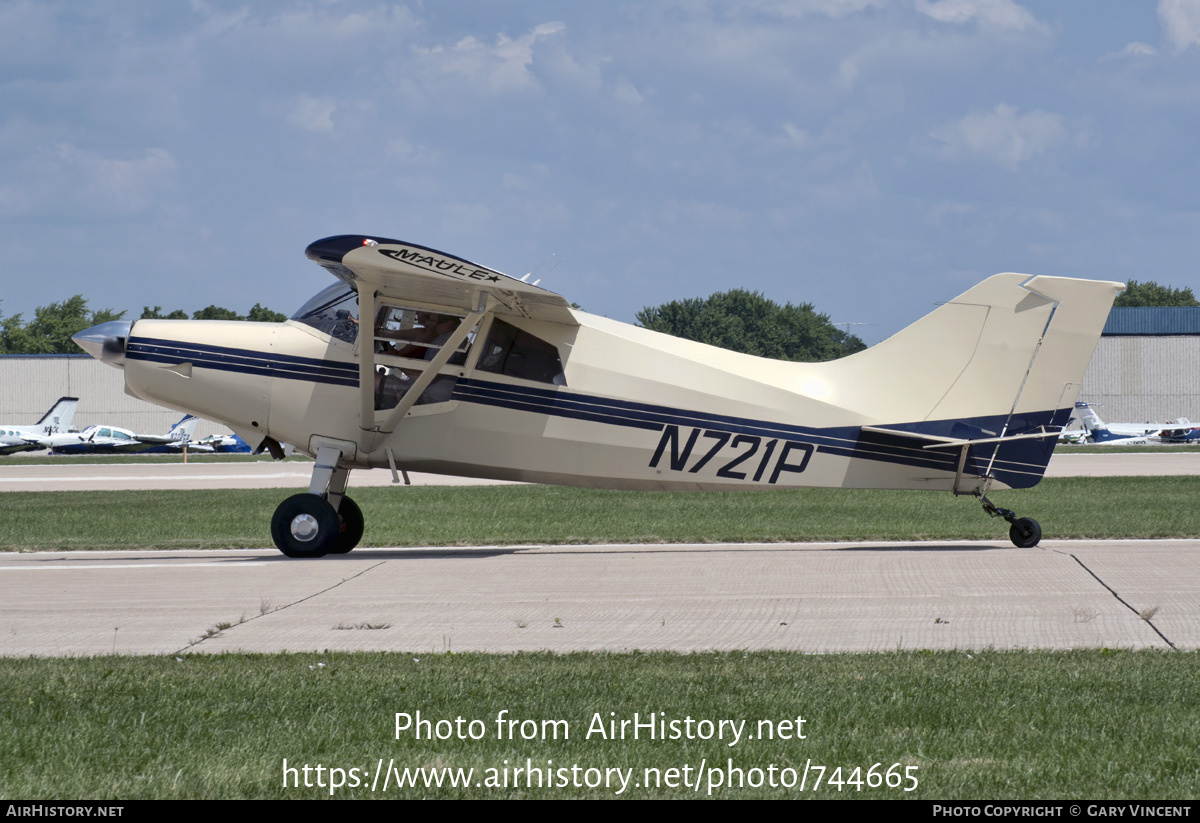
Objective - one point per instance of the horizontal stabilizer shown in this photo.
(953, 443)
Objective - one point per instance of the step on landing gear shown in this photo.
(1024, 532)
(322, 520)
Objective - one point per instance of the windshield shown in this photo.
(334, 311)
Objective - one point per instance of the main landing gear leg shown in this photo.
(323, 520)
(1024, 532)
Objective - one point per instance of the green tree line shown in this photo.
(1152, 294)
(50, 329)
(748, 322)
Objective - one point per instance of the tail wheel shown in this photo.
(305, 525)
(350, 529)
(1025, 533)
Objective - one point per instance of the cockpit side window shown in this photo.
(517, 353)
(410, 334)
(333, 311)
(416, 333)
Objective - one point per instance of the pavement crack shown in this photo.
(219, 632)
(1122, 600)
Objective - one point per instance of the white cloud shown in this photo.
(515, 182)
(309, 24)
(627, 94)
(325, 115)
(947, 208)
(1002, 14)
(699, 214)
(66, 179)
(411, 153)
(502, 67)
(1002, 135)
(797, 137)
(803, 8)
(1181, 22)
(1138, 49)
(847, 192)
(312, 113)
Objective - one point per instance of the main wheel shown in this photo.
(1025, 533)
(351, 527)
(305, 525)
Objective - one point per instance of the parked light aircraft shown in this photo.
(24, 437)
(459, 369)
(1181, 431)
(223, 443)
(1115, 434)
(104, 439)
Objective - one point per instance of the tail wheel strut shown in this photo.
(1024, 532)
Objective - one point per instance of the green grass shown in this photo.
(1104, 507)
(984, 725)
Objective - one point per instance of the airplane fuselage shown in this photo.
(418, 360)
(687, 416)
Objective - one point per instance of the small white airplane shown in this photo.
(1116, 434)
(104, 439)
(459, 369)
(1072, 436)
(21, 438)
(1181, 431)
(223, 443)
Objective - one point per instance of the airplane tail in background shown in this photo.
(178, 434)
(1088, 417)
(60, 417)
(184, 429)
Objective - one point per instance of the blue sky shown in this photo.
(872, 157)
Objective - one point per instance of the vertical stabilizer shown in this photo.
(61, 415)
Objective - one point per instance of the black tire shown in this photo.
(351, 528)
(305, 525)
(1025, 533)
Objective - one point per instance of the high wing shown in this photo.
(416, 273)
(393, 268)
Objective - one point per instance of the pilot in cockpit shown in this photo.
(422, 340)
(333, 311)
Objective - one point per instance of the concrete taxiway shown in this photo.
(811, 597)
(146, 474)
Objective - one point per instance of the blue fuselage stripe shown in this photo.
(1020, 463)
(243, 361)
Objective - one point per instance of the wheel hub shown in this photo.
(304, 527)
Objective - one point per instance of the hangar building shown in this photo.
(1147, 366)
(32, 382)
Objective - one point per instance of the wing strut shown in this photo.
(418, 388)
(366, 359)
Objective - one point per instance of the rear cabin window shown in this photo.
(516, 353)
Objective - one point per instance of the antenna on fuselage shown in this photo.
(532, 271)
